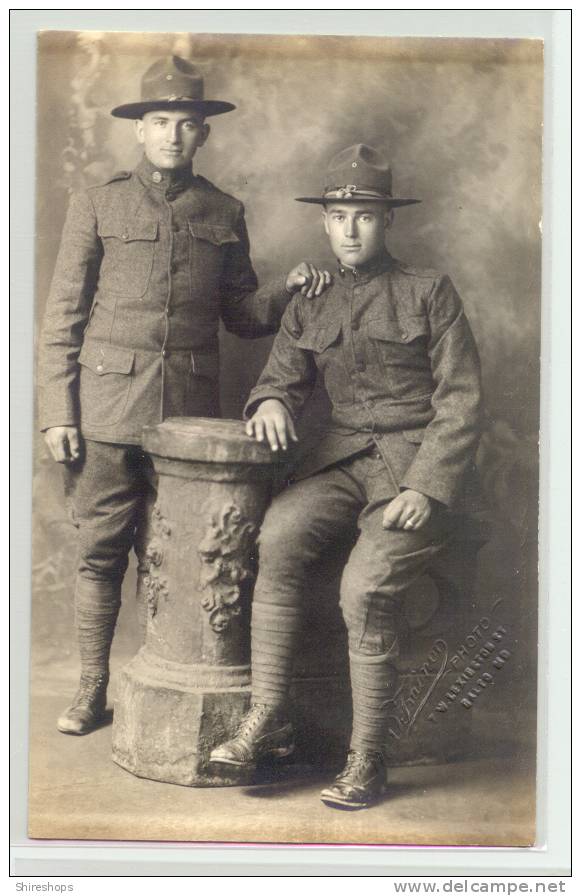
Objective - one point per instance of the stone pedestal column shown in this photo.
(188, 687)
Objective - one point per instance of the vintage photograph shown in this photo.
(285, 488)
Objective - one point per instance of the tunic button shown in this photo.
(163, 353)
(125, 236)
(99, 367)
(156, 177)
(355, 325)
(404, 335)
(360, 365)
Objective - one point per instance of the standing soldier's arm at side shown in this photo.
(67, 313)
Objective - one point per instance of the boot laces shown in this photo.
(253, 719)
(89, 688)
(357, 760)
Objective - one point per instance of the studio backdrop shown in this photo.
(461, 122)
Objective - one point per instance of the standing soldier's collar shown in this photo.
(162, 179)
(366, 272)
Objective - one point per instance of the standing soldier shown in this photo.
(149, 263)
(401, 369)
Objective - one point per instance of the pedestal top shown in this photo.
(206, 440)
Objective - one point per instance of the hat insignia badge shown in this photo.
(347, 191)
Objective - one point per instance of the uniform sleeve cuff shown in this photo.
(257, 396)
(45, 424)
(429, 489)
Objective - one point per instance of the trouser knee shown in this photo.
(104, 552)
(373, 619)
(284, 557)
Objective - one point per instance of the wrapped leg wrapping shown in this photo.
(96, 610)
(274, 634)
(373, 684)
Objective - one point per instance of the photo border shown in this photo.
(551, 854)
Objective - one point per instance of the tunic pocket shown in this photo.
(203, 395)
(319, 339)
(326, 344)
(105, 382)
(217, 234)
(128, 253)
(208, 248)
(400, 347)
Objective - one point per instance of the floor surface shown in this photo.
(77, 792)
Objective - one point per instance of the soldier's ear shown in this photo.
(325, 220)
(139, 130)
(388, 218)
(204, 134)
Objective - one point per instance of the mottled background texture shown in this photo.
(461, 121)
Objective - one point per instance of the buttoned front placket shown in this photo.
(355, 283)
(356, 342)
(171, 270)
(167, 187)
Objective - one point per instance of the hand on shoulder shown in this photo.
(308, 279)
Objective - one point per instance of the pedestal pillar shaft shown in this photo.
(189, 685)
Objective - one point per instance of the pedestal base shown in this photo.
(168, 717)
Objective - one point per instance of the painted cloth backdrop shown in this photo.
(461, 121)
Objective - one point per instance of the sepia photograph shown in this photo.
(286, 479)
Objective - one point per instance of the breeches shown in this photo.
(315, 514)
(109, 492)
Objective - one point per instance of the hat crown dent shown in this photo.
(172, 76)
(362, 166)
(358, 173)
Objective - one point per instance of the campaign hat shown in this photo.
(358, 173)
(172, 83)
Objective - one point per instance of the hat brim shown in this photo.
(393, 203)
(204, 107)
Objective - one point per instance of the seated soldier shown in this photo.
(401, 369)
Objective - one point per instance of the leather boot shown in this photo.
(88, 707)
(360, 784)
(261, 735)
(96, 609)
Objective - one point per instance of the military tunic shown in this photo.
(149, 264)
(400, 366)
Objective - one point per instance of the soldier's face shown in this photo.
(171, 138)
(356, 231)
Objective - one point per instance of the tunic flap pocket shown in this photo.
(104, 358)
(219, 234)
(415, 436)
(205, 365)
(404, 330)
(130, 231)
(317, 339)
